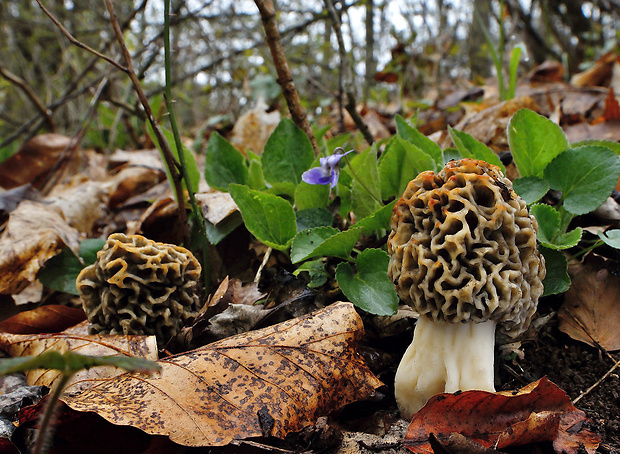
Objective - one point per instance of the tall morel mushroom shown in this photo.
(138, 286)
(463, 255)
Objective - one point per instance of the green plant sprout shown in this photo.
(68, 364)
(497, 55)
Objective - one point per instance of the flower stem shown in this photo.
(362, 184)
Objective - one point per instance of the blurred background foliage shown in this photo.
(404, 54)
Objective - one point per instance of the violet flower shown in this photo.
(328, 172)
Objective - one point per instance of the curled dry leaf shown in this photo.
(72, 339)
(591, 309)
(82, 205)
(539, 412)
(45, 319)
(267, 382)
(34, 233)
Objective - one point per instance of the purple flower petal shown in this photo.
(317, 175)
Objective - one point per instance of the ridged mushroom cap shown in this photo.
(139, 286)
(463, 248)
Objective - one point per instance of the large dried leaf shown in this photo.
(267, 382)
(539, 412)
(591, 309)
(76, 339)
(45, 319)
(33, 161)
(34, 233)
(82, 205)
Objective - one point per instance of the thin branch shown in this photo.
(171, 162)
(285, 79)
(347, 75)
(79, 44)
(21, 83)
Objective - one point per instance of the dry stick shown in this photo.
(171, 162)
(351, 105)
(285, 80)
(54, 175)
(78, 43)
(21, 83)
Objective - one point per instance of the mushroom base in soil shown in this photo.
(444, 357)
(463, 255)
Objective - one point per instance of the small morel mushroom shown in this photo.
(138, 286)
(463, 255)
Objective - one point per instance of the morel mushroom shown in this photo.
(463, 255)
(138, 286)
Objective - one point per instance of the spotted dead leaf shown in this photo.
(591, 309)
(34, 233)
(45, 319)
(77, 340)
(539, 412)
(267, 382)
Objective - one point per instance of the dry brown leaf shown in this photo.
(591, 309)
(267, 382)
(82, 205)
(33, 160)
(17, 345)
(34, 233)
(254, 127)
(538, 412)
(45, 319)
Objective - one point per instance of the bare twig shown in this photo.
(80, 44)
(171, 162)
(347, 75)
(55, 173)
(268, 17)
(600, 380)
(21, 83)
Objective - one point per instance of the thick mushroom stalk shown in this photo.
(463, 255)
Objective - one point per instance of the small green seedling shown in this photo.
(68, 364)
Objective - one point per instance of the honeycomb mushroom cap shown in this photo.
(463, 248)
(139, 286)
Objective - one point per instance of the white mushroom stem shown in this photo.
(444, 357)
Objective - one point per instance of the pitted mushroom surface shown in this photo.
(463, 251)
(139, 286)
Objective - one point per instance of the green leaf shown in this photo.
(611, 238)
(365, 168)
(613, 146)
(70, 362)
(255, 179)
(370, 289)
(324, 242)
(550, 233)
(378, 220)
(512, 71)
(531, 189)
(288, 153)
(217, 232)
(61, 271)
(412, 135)
(557, 279)
(316, 270)
(401, 162)
(313, 217)
(586, 176)
(470, 148)
(534, 142)
(224, 164)
(270, 218)
(190, 161)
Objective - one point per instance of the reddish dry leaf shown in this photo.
(33, 160)
(45, 319)
(34, 233)
(591, 309)
(17, 345)
(538, 412)
(612, 109)
(267, 382)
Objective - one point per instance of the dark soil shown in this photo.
(574, 367)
